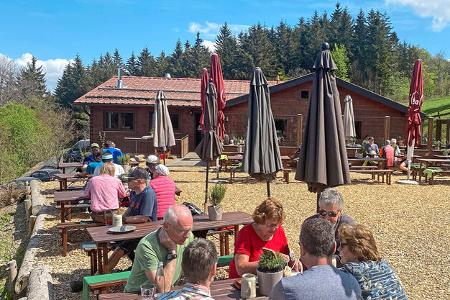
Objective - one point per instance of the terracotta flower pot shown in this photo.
(215, 213)
(266, 281)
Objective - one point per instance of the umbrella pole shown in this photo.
(268, 187)
(206, 186)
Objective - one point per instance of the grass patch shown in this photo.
(439, 105)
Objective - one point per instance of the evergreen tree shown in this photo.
(260, 50)
(146, 63)
(162, 64)
(73, 84)
(117, 59)
(359, 50)
(341, 60)
(31, 81)
(195, 58)
(284, 48)
(175, 60)
(301, 39)
(227, 48)
(132, 66)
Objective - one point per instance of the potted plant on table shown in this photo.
(124, 160)
(269, 271)
(215, 211)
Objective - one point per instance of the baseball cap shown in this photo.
(137, 173)
(93, 145)
(107, 156)
(152, 159)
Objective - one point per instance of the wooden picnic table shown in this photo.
(64, 165)
(65, 178)
(101, 236)
(220, 290)
(64, 198)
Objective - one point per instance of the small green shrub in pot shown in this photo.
(269, 271)
(216, 196)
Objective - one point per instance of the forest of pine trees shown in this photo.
(365, 48)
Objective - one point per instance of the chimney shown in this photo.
(119, 83)
(167, 76)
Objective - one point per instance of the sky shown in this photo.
(56, 31)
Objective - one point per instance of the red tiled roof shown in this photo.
(143, 90)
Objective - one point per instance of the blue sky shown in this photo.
(55, 31)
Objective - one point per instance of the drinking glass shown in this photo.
(148, 291)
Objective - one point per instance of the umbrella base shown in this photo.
(405, 181)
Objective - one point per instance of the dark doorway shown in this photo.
(198, 130)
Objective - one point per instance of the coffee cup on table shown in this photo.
(116, 220)
(248, 286)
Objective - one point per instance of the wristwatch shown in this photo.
(171, 256)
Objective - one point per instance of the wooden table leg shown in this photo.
(63, 211)
(69, 214)
(227, 243)
(236, 229)
(99, 259)
(105, 258)
(64, 241)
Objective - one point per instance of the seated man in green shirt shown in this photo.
(164, 245)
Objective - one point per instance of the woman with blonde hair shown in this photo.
(360, 257)
(104, 191)
(265, 232)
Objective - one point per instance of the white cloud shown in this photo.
(53, 68)
(210, 29)
(439, 10)
(211, 46)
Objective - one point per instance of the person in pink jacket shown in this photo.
(104, 191)
(164, 188)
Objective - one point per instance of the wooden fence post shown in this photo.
(387, 128)
(430, 135)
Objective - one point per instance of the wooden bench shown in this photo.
(363, 167)
(66, 226)
(379, 172)
(233, 169)
(100, 283)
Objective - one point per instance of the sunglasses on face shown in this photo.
(330, 214)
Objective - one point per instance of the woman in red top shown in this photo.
(265, 232)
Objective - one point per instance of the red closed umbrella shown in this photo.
(217, 78)
(415, 105)
(203, 86)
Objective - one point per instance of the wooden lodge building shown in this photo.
(123, 110)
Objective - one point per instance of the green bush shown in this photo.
(217, 194)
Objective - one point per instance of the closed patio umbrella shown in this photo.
(262, 153)
(323, 157)
(349, 118)
(163, 137)
(414, 119)
(210, 146)
(217, 78)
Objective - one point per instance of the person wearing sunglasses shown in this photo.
(331, 206)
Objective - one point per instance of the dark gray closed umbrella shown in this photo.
(323, 157)
(210, 146)
(262, 154)
(163, 136)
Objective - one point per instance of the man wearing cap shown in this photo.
(95, 148)
(142, 209)
(107, 158)
(164, 188)
(94, 164)
(151, 162)
(110, 147)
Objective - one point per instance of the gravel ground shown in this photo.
(410, 224)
